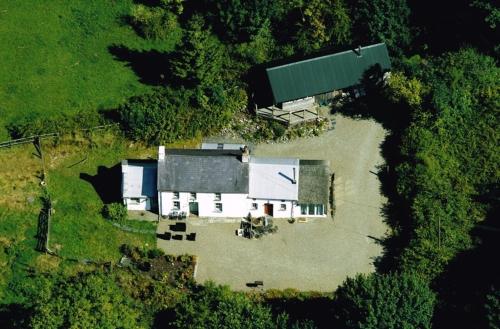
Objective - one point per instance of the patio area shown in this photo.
(316, 255)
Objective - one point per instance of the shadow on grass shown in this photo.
(107, 183)
(152, 67)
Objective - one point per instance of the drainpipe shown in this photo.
(159, 206)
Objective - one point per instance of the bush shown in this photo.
(154, 22)
(115, 212)
(384, 301)
(155, 253)
(36, 124)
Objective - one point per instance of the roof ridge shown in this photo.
(323, 56)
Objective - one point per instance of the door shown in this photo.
(268, 209)
(193, 208)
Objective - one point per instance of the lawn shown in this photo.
(78, 231)
(56, 57)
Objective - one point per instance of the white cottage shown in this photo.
(218, 183)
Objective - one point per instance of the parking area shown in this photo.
(319, 254)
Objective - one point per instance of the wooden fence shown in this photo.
(32, 139)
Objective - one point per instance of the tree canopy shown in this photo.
(384, 301)
(85, 301)
(218, 307)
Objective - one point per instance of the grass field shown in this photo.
(61, 56)
(56, 57)
(78, 230)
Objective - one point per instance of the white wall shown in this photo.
(277, 212)
(233, 205)
(144, 204)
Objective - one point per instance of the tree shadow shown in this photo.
(152, 67)
(14, 316)
(107, 183)
(317, 309)
(470, 276)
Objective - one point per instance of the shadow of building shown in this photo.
(107, 183)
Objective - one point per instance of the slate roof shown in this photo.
(315, 182)
(325, 73)
(203, 171)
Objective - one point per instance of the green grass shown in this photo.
(78, 231)
(55, 57)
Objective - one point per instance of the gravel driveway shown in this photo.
(317, 255)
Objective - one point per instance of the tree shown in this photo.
(323, 23)
(451, 153)
(382, 21)
(199, 59)
(384, 301)
(162, 116)
(400, 88)
(154, 22)
(86, 301)
(218, 307)
(239, 20)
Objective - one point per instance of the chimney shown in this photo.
(245, 155)
(358, 51)
(161, 152)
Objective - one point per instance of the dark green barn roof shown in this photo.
(326, 73)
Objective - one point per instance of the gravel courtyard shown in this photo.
(319, 254)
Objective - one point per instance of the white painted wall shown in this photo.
(144, 204)
(233, 205)
(277, 212)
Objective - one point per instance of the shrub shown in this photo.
(115, 212)
(36, 124)
(154, 22)
(155, 253)
(384, 301)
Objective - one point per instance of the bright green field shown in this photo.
(54, 56)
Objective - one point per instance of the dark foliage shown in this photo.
(384, 301)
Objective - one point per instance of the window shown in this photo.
(192, 196)
(175, 196)
(312, 209)
(177, 205)
(218, 207)
(255, 206)
(133, 201)
(217, 197)
(283, 207)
